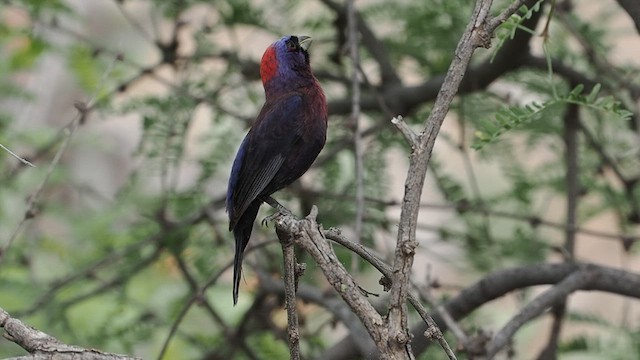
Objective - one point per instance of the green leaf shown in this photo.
(577, 90)
(594, 93)
(27, 53)
(85, 67)
(507, 30)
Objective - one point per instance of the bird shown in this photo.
(283, 142)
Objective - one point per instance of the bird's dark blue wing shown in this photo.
(262, 152)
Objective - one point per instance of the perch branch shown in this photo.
(306, 234)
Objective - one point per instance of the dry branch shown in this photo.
(44, 346)
(502, 282)
(307, 235)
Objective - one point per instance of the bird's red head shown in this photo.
(285, 60)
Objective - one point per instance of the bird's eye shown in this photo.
(291, 45)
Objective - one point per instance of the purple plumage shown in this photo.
(283, 142)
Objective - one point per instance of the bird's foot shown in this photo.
(280, 210)
(271, 218)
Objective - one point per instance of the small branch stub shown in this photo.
(408, 133)
(409, 248)
(432, 333)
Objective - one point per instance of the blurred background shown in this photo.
(118, 237)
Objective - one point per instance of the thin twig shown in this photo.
(571, 283)
(457, 331)
(433, 331)
(467, 207)
(468, 166)
(572, 188)
(31, 211)
(409, 134)
(307, 235)
(357, 130)
(135, 24)
(198, 296)
(333, 304)
(386, 270)
(289, 260)
(22, 160)
(80, 118)
(504, 15)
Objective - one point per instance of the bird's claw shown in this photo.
(270, 218)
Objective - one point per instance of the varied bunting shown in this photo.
(283, 142)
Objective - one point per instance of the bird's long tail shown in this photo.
(242, 233)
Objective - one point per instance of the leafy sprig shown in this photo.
(511, 117)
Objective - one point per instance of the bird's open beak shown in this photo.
(304, 41)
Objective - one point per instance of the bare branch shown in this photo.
(290, 285)
(83, 111)
(409, 134)
(365, 253)
(402, 99)
(504, 15)
(475, 35)
(333, 304)
(307, 235)
(24, 161)
(550, 297)
(375, 47)
(572, 186)
(632, 7)
(501, 282)
(441, 311)
(44, 346)
(357, 129)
